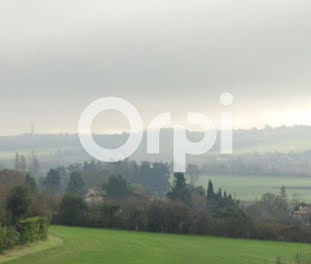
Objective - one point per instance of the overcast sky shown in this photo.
(58, 56)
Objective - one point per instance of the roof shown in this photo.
(304, 211)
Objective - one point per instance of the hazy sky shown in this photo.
(58, 56)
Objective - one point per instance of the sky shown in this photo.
(177, 56)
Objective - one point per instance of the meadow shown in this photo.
(85, 245)
(250, 188)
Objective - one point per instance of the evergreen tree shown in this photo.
(17, 162)
(31, 183)
(23, 163)
(219, 194)
(73, 210)
(52, 181)
(180, 191)
(19, 202)
(76, 184)
(210, 190)
(283, 203)
(211, 198)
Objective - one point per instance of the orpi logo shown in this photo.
(182, 146)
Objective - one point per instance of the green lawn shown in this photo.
(94, 246)
(252, 187)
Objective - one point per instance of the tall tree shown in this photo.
(194, 173)
(52, 181)
(19, 202)
(31, 183)
(23, 163)
(180, 191)
(219, 194)
(17, 161)
(76, 184)
(34, 165)
(283, 203)
(210, 189)
(116, 187)
(73, 210)
(212, 200)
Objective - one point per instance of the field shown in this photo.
(94, 246)
(251, 187)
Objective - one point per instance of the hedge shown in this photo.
(2, 238)
(28, 230)
(9, 237)
(32, 229)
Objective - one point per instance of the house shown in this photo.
(303, 214)
(94, 196)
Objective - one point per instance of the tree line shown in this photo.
(127, 203)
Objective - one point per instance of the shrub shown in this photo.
(12, 237)
(33, 229)
(2, 238)
(44, 228)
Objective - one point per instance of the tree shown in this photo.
(23, 163)
(19, 202)
(180, 191)
(217, 202)
(76, 184)
(52, 181)
(198, 197)
(73, 210)
(194, 173)
(34, 165)
(17, 162)
(211, 199)
(283, 203)
(210, 190)
(116, 187)
(31, 183)
(219, 194)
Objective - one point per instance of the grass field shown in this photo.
(94, 246)
(251, 187)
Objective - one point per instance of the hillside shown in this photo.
(64, 149)
(84, 245)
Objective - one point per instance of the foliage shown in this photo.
(271, 207)
(12, 237)
(72, 210)
(32, 229)
(116, 187)
(76, 184)
(180, 191)
(152, 176)
(218, 202)
(34, 166)
(2, 238)
(31, 183)
(45, 204)
(28, 230)
(52, 181)
(19, 202)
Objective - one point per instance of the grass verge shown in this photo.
(21, 251)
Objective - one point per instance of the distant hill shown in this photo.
(62, 149)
